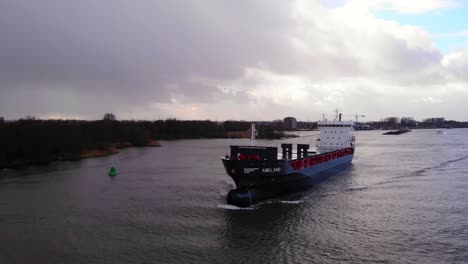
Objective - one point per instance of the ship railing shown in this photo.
(318, 159)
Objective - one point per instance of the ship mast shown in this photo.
(253, 133)
(337, 113)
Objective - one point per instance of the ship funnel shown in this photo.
(287, 151)
(302, 150)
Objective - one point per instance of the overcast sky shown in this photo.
(218, 60)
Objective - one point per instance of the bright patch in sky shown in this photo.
(449, 27)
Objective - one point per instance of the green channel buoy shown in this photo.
(112, 171)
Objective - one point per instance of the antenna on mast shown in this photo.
(337, 112)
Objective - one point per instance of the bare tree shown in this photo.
(109, 116)
(407, 122)
(391, 121)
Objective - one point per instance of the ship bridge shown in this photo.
(335, 135)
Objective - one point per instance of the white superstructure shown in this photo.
(335, 135)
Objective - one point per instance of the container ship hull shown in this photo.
(259, 179)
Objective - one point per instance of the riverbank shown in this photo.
(88, 152)
(35, 141)
(114, 149)
(246, 134)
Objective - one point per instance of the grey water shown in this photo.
(404, 199)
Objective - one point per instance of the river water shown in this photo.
(404, 199)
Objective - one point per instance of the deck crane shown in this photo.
(338, 115)
(356, 116)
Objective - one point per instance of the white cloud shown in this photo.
(344, 58)
(432, 100)
(456, 64)
(403, 6)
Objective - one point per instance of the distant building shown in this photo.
(290, 123)
(436, 120)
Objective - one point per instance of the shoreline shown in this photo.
(246, 134)
(112, 149)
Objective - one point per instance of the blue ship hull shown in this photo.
(257, 180)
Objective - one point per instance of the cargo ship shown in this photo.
(260, 173)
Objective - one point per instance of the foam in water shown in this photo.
(281, 201)
(291, 202)
(229, 183)
(233, 207)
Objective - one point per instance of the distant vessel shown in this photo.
(440, 132)
(398, 132)
(259, 174)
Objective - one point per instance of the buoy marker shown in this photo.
(112, 171)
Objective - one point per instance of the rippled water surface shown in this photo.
(403, 200)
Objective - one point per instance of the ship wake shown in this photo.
(233, 207)
(441, 165)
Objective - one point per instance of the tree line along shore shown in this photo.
(33, 141)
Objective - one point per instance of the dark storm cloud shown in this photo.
(133, 50)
